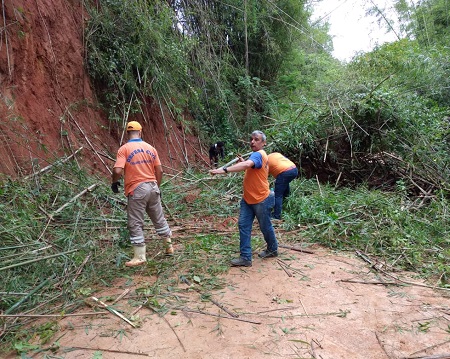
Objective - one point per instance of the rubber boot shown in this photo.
(168, 246)
(139, 257)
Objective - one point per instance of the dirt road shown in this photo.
(322, 305)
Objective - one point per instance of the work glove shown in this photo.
(115, 187)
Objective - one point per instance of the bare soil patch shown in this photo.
(299, 305)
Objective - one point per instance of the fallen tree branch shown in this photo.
(381, 345)
(295, 249)
(234, 315)
(139, 308)
(187, 282)
(364, 282)
(288, 266)
(362, 255)
(304, 309)
(313, 353)
(124, 293)
(17, 304)
(281, 264)
(80, 269)
(109, 350)
(88, 141)
(276, 310)
(169, 213)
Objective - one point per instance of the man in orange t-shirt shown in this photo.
(256, 202)
(284, 171)
(139, 163)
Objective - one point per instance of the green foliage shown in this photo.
(44, 249)
(134, 51)
(402, 231)
(430, 22)
(386, 225)
(266, 32)
(389, 101)
(410, 68)
(392, 103)
(193, 54)
(305, 75)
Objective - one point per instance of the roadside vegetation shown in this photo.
(57, 252)
(381, 118)
(370, 137)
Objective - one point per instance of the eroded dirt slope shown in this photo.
(48, 107)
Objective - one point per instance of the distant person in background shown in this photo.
(215, 151)
(284, 171)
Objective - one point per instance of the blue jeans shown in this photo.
(282, 189)
(247, 214)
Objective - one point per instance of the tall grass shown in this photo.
(409, 232)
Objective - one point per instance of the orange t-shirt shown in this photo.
(278, 164)
(138, 159)
(256, 183)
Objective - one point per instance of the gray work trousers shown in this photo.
(146, 198)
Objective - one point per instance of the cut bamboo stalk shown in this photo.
(220, 316)
(37, 260)
(430, 347)
(289, 274)
(11, 309)
(115, 312)
(81, 268)
(89, 189)
(125, 292)
(54, 164)
(88, 141)
(50, 315)
(365, 258)
(223, 308)
(237, 158)
(110, 351)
